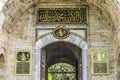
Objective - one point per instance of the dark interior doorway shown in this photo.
(61, 54)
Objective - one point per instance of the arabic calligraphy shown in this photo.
(100, 68)
(62, 15)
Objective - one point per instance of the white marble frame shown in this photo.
(74, 39)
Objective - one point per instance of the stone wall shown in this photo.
(101, 38)
(22, 36)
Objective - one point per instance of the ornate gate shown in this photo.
(73, 39)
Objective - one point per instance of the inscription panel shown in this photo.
(67, 15)
(23, 63)
(99, 62)
(23, 68)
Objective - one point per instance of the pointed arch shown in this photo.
(2, 63)
(3, 52)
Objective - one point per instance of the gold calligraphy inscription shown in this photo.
(23, 63)
(62, 15)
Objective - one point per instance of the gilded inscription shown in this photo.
(62, 15)
(99, 62)
(23, 63)
(100, 68)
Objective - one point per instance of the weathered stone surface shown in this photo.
(103, 33)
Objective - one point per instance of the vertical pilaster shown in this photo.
(37, 64)
(85, 64)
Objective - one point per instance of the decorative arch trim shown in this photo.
(73, 39)
(48, 39)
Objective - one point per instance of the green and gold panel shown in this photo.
(99, 62)
(23, 62)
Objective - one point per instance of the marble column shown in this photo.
(85, 64)
(37, 64)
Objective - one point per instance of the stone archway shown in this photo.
(73, 39)
(64, 53)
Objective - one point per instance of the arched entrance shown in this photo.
(50, 50)
(62, 53)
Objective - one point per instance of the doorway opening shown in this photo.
(61, 61)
